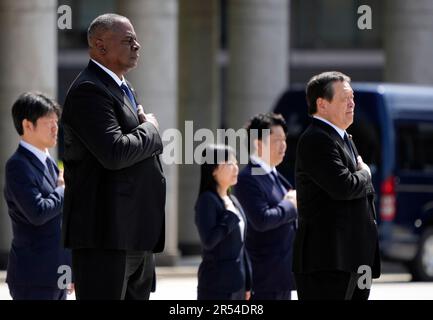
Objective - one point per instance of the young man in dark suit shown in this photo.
(115, 187)
(33, 191)
(337, 222)
(269, 202)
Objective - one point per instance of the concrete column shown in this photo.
(258, 44)
(198, 99)
(155, 79)
(28, 34)
(408, 41)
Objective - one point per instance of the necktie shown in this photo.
(129, 94)
(278, 182)
(349, 148)
(51, 170)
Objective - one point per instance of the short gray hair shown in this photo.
(103, 23)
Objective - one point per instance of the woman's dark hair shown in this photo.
(212, 156)
(32, 106)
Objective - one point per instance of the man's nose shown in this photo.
(136, 45)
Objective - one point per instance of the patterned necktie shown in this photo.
(129, 94)
(349, 148)
(278, 182)
(51, 170)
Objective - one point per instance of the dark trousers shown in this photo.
(112, 274)
(329, 285)
(36, 293)
(278, 295)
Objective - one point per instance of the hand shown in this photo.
(150, 117)
(247, 295)
(141, 114)
(363, 166)
(143, 117)
(60, 180)
(291, 196)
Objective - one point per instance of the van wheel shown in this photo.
(422, 266)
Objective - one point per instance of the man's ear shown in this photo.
(321, 104)
(27, 125)
(100, 46)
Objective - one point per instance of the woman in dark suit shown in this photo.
(225, 272)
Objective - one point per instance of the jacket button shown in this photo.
(163, 180)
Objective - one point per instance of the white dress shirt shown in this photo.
(111, 74)
(266, 167)
(340, 131)
(231, 207)
(41, 155)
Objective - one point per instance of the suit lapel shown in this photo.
(353, 146)
(122, 97)
(284, 181)
(343, 146)
(242, 213)
(113, 88)
(263, 176)
(239, 207)
(134, 93)
(38, 165)
(335, 136)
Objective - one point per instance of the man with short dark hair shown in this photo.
(337, 229)
(115, 188)
(33, 191)
(269, 202)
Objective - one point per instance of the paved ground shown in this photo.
(180, 283)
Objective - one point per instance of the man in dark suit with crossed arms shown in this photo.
(115, 187)
(337, 229)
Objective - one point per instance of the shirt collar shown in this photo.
(340, 131)
(267, 168)
(41, 155)
(111, 73)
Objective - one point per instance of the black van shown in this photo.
(393, 131)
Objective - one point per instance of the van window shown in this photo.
(415, 151)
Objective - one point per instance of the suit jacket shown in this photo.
(35, 205)
(225, 266)
(337, 227)
(271, 229)
(115, 186)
